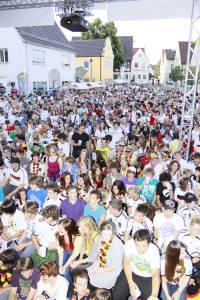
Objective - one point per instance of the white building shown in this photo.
(166, 65)
(35, 58)
(140, 66)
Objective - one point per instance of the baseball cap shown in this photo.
(131, 169)
(169, 204)
(189, 197)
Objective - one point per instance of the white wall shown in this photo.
(20, 60)
(16, 55)
(142, 69)
(165, 70)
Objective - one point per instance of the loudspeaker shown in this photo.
(74, 23)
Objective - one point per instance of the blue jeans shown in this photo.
(172, 288)
(67, 274)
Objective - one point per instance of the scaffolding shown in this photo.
(191, 81)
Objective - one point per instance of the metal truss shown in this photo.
(191, 81)
(19, 4)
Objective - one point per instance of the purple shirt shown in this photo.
(24, 285)
(72, 211)
(129, 183)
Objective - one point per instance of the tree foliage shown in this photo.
(176, 74)
(157, 69)
(98, 30)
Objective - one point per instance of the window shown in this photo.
(144, 77)
(136, 65)
(3, 55)
(126, 76)
(40, 86)
(65, 61)
(139, 76)
(38, 57)
(86, 64)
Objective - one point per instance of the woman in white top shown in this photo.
(176, 269)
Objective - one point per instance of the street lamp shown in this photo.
(91, 61)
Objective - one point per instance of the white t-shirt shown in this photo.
(167, 228)
(192, 244)
(142, 264)
(134, 203)
(120, 222)
(65, 148)
(31, 225)
(58, 292)
(14, 223)
(187, 214)
(19, 177)
(135, 226)
(46, 234)
(4, 173)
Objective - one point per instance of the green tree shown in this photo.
(176, 74)
(98, 30)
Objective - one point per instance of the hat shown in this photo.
(169, 204)
(189, 197)
(15, 160)
(153, 155)
(131, 169)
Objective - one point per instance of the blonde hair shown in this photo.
(88, 239)
(134, 189)
(195, 220)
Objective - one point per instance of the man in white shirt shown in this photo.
(195, 163)
(63, 145)
(167, 224)
(141, 275)
(16, 179)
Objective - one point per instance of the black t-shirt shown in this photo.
(76, 137)
(163, 191)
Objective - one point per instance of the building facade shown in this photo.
(140, 67)
(35, 59)
(95, 58)
(166, 65)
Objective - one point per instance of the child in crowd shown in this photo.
(21, 198)
(118, 216)
(8, 261)
(133, 199)
(24, 280)
(44, 237)
(53, 197)
(37, 192)
(13, 221)
(139, 221)
(79, 289)
(101, 294)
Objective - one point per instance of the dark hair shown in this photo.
(183, 183)
(79, 272)
(24, 264)
(114, 165)
(19, 195)
(31, 207)
(87, 181)
(51, 211)
(120, 185)
(165, 176)
(101, 294)
(9, 258)
(143, 208)
(172, 258)
(97, 193)
(1, 227)
(142, 235)
(62, 180)
(37, 180)
(71, 228)
(171, 164)
(8, 207)
(53, 187)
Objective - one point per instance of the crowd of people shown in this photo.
(96, 200)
